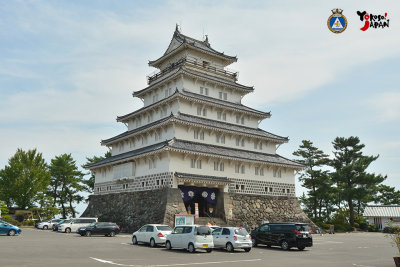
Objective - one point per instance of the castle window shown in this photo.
(157, 182)
(242, 120)
(256, 170)
(274, 172)
(198, 110)
(236, 168)
(260, 146)
(201, 90)
(169, 91)
(224, 116)
(201, 135)
(242, 187)
(255, 144)
(237, 187)
(166, 93)
(192, 163)
(242, 142)
(142, 184)
(206, 64)
(242, 169)
(196, 134)
(219, 115)
(199, 164)
(237, 118)
(237, 141)
(283, 190)
(124, 186)
(204, 112)
(206, 91)
(217, 138)
(162, 182)
(215, 166)
(279, 174)
(221, 166)
(225, 96)
(287, 190)
(271, 190)
(223, 139)
(262, 171)
(220, 95)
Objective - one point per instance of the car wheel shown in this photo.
(268, 246)
(112, 234)
(134, 240)
(191, 248)
(11, 232)
(68, 230)
(168, 245)
(82, 234)
(209, 250)
(284, 245)
(88, 233)
(301, 247)
(254, 242)
(247, 249)
(152, 243)
(45, 227)
(229, 247)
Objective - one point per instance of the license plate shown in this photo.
(205, 246)
(304, 236)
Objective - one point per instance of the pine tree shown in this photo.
(313, 178)
(353, 181)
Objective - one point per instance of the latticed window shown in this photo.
(222, 139)
(198, 164)
(219, 115)
(215, 166)
(237, 141)
(192, 163)
(236, 168)
(198, 110)
(196, 134)
(256, 169)
(242, 169)
(262, 171)
(224, 116)
(221, 166)
(225, 96)
(201, 135)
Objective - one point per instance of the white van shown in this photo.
(74, 224)
(190, 237)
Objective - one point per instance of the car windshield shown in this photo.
(302, 227)
(241, 231)
(163, 228)
(66, 221)
(92, 224)
(203, 230)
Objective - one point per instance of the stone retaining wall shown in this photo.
(131, 210)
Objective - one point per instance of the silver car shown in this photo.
(232, 238)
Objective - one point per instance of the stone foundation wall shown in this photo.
(131, 210)
(253, 210)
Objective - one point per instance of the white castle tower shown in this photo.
(193, 133)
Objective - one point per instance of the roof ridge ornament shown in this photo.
(177, 28)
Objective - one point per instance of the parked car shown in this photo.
(99, 228)
(47, 224)
(285, 235)
(232, 238)
(55, 225)
(153, 234)
(9, 229)
(190, 237)
(74, 224)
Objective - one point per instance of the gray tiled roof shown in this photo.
(201, 177)
(224, 103)
(129, 154)
(208, 99)
(382, 211)
(188, 146)
(183, 69)
(232, 153)
(201, 121)
(229, 126)
(202, 45)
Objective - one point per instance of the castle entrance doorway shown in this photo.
(205, 197)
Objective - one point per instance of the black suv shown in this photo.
(285, 235)
(99, 228)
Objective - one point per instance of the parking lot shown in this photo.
(46, 248)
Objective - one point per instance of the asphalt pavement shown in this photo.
(46, 248)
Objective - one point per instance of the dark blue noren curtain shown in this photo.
(189, 192)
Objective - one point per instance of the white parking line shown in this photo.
(174, 264)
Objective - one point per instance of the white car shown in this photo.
(47, 224)
(190, 237)
(232, 238)
(74, 224)
(152, 234)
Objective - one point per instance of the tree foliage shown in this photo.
(67, 183)
(314, 178)
(351, 176)
(23, 178)
(387, 195)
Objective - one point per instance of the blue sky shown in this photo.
(68, 68)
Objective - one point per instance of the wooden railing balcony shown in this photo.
(195, 64)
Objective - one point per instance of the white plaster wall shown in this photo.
(142, 165)
(180, 164)
(160, 91)
(210, 137)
